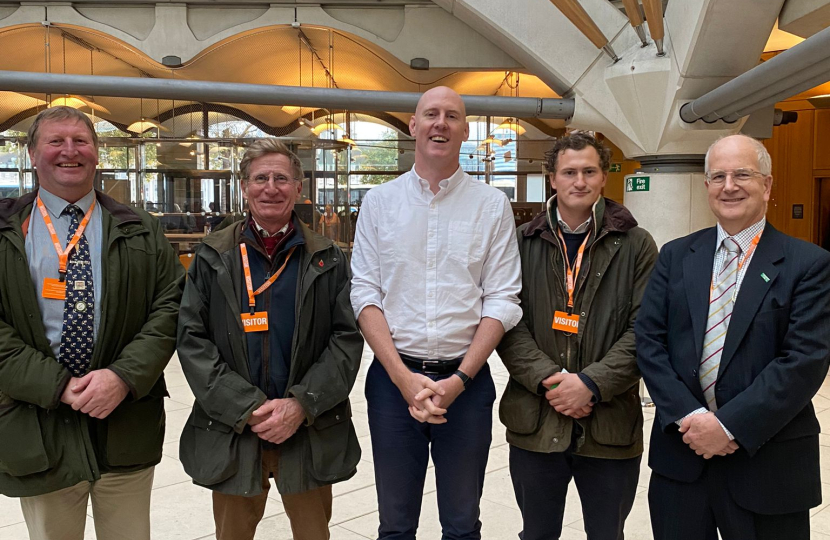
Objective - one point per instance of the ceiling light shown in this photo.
(145, 124)
(290, 109)
(77, 102)
(326, 126)
(492, 140)
(512, 125)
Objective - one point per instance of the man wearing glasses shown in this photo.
(733, 341)
(269, 345)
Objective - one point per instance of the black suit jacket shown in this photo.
(774, 360)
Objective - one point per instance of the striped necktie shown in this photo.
(720, 312)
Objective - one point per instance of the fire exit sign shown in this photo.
(637, 183)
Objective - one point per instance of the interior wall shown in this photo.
(800, 156)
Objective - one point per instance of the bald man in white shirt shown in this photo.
(436, 281)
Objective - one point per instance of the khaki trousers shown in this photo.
(237, 517)
(120, 509)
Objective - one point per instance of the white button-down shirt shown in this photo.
(436, 264)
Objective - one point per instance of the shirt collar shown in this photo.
(743, 238)
(564, 226)
(445, 185)
(265, 234)
(55, 205)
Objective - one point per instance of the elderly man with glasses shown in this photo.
(733, 341)
(269, 344)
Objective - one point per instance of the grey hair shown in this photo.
(764, 159)
(264, 147)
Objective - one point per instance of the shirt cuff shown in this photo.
(699, 410)
(504, 311)
(592, 386)
(703, 410)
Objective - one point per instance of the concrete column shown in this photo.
(668, 197)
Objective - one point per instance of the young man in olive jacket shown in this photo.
(84, 338)
(270, 347)
(572, 407)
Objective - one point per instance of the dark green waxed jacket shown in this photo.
(618, 262)
(217, 448)
(44, 444)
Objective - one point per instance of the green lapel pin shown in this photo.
(763, 275)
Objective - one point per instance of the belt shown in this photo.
(431, 367)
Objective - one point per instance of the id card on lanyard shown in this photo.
(257, 321)
(567, 321)
(55, 289)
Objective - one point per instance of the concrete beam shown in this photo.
(804, 17)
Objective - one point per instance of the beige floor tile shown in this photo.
(354, 505)
(10, 512)
(821, 403)
(364, 477)
(820, 522)
(168, 473)
(825, 496)
(175, 424)
(181, 512)
(14, 532)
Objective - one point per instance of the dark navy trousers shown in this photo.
(401, 446)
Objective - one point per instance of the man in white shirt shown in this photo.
(435, 287)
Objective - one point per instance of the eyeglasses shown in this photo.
(739, 176)
(279, 179)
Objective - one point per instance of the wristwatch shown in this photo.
(464, 377)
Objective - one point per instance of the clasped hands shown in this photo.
(571, 398)
(705, 435)
(277, 419)
(97, 393)
(428, 400)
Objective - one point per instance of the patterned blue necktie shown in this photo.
(77, 339)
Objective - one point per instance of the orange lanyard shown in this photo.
(63, 255)
(573, 275)
(247, 268)
(749, 251)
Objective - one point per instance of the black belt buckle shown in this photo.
(431, 367)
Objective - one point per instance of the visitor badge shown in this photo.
(566, 323)
(255, 322)
(54, 289)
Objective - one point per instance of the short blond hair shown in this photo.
(263, 147)
(56, 114)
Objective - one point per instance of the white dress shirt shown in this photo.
(744, 240)
(436, 264)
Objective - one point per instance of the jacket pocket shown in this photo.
(135, 432)
(208, 449)
(333, 444)
(618, 422)
(520, 411)
(21, 445)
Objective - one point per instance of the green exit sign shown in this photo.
(615, 167)
(637, 183)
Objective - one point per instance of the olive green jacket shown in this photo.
(618, 261)
(44, 444)
(217, 448)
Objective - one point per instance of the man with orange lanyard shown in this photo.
(572, 407)
(87, 325)
(270, 347)
(733, 340)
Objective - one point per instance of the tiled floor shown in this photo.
(182, 511)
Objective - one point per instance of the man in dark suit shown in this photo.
(734, 445)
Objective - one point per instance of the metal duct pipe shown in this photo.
(778, 78)
(804, 80)
(264, 94)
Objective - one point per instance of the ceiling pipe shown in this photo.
(654, 17)
(585, 24)
(800, 68)
(265, 94)
(635, 17)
